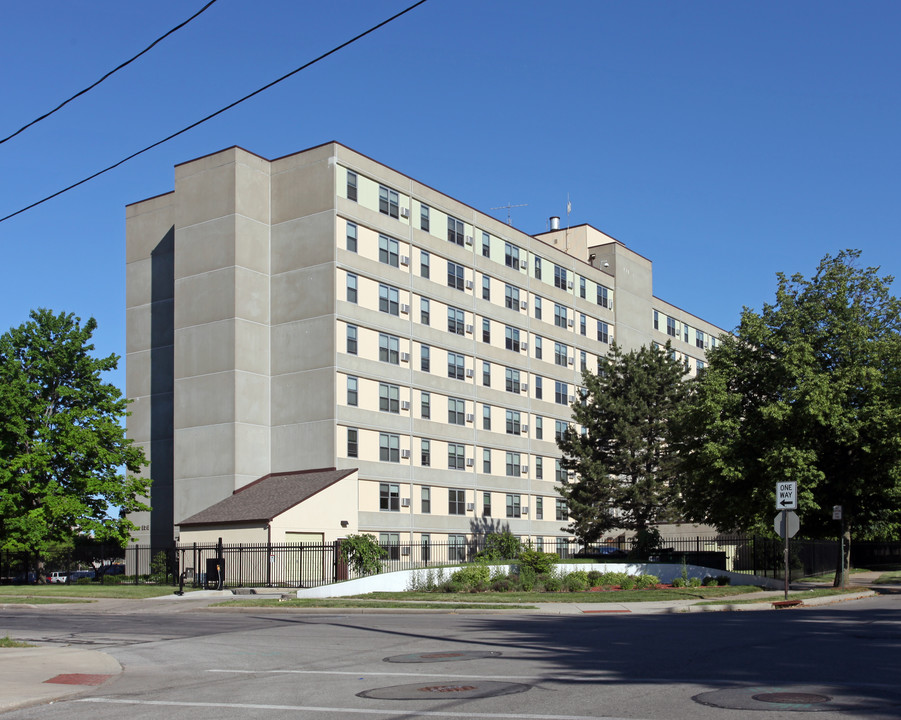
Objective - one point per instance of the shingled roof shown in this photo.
(266, 498)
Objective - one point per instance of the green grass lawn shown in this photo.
(93, 590)
(889, 578)
(800, 595)
(613, 596)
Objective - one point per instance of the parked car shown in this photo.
(59, 576)
(76, 575)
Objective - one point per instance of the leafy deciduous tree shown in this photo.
(62, 446)
(623, 460)
(809, 390)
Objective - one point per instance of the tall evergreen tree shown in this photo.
(62, 445)
(622, 457)
(809, 390)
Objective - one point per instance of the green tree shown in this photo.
(363, 553)
(62, 445)
(623, 462)
(809, 390)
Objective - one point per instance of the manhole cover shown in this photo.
(443, 656)
(791, 698)
(435, 691)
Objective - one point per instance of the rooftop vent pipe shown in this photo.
(555, 222)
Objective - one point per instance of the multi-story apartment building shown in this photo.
(323, 310)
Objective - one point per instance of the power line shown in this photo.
(111, 72)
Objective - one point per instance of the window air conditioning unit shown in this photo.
(572, 398)
(524, 264)
(525, 509)
(571, 360)
(405, 502)
(405, 357)
(524, 305)
(404, 404)
(469, 239)
(525, 387)
(468, 372)
(469, 329)
(470, 462)
(470, 417)
(569, 322)
(405, 550)
(404, 212)
(470, 507)
(525, 428)
(404, 259)
(405, 454)
(469, 284)
(525, 469)
(524, 346)
(404, 308)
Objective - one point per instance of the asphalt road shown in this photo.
(840, 661)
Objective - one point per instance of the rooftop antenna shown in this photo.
(507, 207)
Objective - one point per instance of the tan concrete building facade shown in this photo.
(322, 310)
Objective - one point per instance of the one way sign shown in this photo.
(786, 496)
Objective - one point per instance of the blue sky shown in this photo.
(724, 141)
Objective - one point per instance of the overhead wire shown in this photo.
(217, 113)
(111, 72)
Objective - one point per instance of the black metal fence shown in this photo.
(309, 565)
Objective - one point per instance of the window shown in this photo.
(388, 300)
(513, 423)
(456, 502)
(424, 264)
(486, 374)
(388, 251)
(582, 288)
(603, 332)
(583, 324)
(351, 185)
(539, 468)
(539, 389)
(511, 256)
(511, 339)
(351, 288)
(425, 459)
(456, 548)
(513, 466)
(425, 492)
(486, 245)
(486, 504)
(603, 296)
(454, 230)
(425, 315)
(539, 508)
(486, 287)
(352, 442)
(562, 512)
(388, 202)
(583, 361)
(390, 542)
(701, 365)
(425, 406)
(425, 546)
(561, 354)
(389, 349)
(455, 276)
(538, 349)
(425, 362)
(455, 322)
(511, 297)
(563, 547)
(389, 497)
(539, 428)
(455, 457)
(671, 327)
(559, 316)
(352, 391)
(424, 217)
(389, 398)
(456, 411)
(559, 277)
(538, 308)
(486, 462)
(699, 339)
(656, 320)
(351, 237)
(559, 429)
(685, 332)
(559, 473)
(514, 506)
(486, 417)
(389, 447)
(538, 268)
(561, 393)
(455, 367)
(351, 340)
(512, 380)
(486, 330)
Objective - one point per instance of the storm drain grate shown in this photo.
(803, 698)
(443, 656)
(435, 691)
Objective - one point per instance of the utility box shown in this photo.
(215, 572)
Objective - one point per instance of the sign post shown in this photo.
(786, 499)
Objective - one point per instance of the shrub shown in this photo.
(696, 582)
(678, 582)
(552, 583)
(472, 577)
(709, 581)
(540, 562)
(614, 578)
(724, 580)
(363, 553)
(499, 573)
(527, 578)
(502, 585)
(500, 546)
(643, 582)
(576, 581)
(628, 583)
(594, 578)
